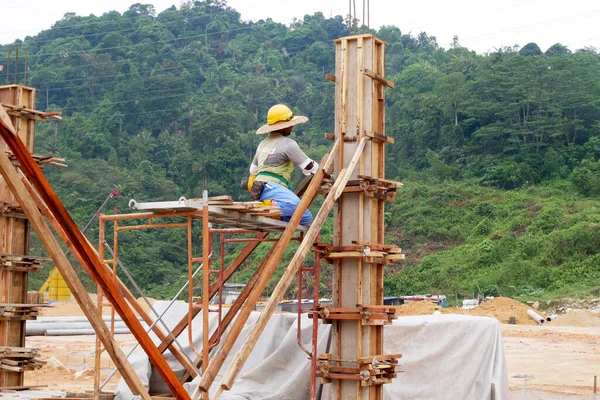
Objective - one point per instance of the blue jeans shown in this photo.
(286, 200)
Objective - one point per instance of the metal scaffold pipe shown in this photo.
(173, 300)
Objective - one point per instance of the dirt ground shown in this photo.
(562, 359)
(70, 364)
(563, 356)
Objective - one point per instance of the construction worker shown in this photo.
(272, 166)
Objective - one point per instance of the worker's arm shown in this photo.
(254, 166)
(299, 158)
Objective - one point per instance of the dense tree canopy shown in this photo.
(164, 105)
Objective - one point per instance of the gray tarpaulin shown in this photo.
(444, 357)
(447, 356)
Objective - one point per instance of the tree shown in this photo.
(557, 50)
(531, 49)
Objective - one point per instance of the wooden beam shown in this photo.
(378, 136)
(177, 353)
(235, 264)
(379, 78)
(47, 238)
(235, 307)
(91, 264)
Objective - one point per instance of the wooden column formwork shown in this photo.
(14, 229)
(359, 112)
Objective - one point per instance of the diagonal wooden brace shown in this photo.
(292, 269)
(13, 179)
(210, 372)
(91, 263)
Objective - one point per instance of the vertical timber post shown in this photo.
(14, 229)
(359, 111)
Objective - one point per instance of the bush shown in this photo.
(510, 175)
(586, 178)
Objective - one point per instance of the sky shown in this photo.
(481, 25)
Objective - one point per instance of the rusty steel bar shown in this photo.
(17, 64)
(8, 66)
(231, 230)
(205, 281)
(98, 354)
(246, 240)
(315, 321)
(299, 311)
(115, 256)
(221, 281)
(191, 285)
(235, 264)
(146, 215)
(152, 226)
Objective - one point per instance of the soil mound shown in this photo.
(68, 308)
(418, 308)
(501, 308)
(577, 318)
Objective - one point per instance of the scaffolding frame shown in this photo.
(215, 286)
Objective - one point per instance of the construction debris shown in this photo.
(24, 263)
(19, 359)
(19, 311)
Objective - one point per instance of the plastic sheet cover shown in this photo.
(444, 357)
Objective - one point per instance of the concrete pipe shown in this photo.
(551, 317)
(77, 332)
(536, 317)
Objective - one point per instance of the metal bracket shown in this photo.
(368, 315)
(373, 370)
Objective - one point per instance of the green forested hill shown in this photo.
(500, 153)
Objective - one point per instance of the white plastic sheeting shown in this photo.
(447, 356)
(276, 369)
(444, 357)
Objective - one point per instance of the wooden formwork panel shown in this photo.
(14, 232)
(21, 96)
(359, 112)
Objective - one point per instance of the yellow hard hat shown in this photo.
(279, 117)
(279, 112)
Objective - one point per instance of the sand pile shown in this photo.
(577, 318)
(418, 308)
(144, 305)
(501, 308)
(69, 308)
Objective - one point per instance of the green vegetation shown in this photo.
(535, 242)
(500, 153)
